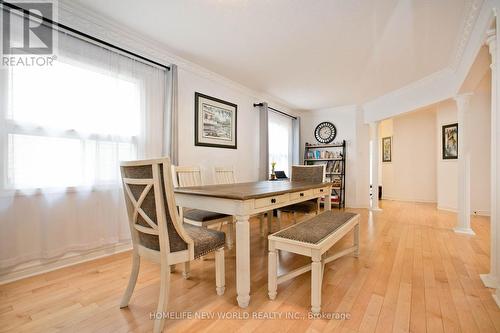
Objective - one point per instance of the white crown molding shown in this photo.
(445, 83)
(94, 24)
(468, 22)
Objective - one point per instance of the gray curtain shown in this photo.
(264, 142)
(170, 119)
(296, 157)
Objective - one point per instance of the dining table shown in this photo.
(243, 200)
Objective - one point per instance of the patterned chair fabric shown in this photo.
(305, 207)
(204, 240)
(312, 173)
(309, 174)
(199, 215)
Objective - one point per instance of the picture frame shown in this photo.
(387, 149)
(215, 122)
(450, 141)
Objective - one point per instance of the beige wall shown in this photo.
(415, 175)
(411, 175)
(479, 126)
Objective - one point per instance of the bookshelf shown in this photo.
(334, 157)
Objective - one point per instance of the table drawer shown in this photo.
(270, 201)
(300, 194)
(323, 190)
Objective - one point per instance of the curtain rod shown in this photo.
(275, 110)
(50, 23)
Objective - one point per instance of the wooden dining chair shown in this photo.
(157, 231)
(310, 173)
(225, 175)
(185, 176)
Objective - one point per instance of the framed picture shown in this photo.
(387, 149)
(214, 122)
(450, 142)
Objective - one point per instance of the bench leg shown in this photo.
(294, 217)
(272, 278)
(316, 281)
(356, 240)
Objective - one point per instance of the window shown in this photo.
(68, 125)
(280, 142)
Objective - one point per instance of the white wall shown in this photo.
(244, 159)
(411, 175)
(350, 127)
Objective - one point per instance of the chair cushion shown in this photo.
(306, 207)
(317, 228)
(205, 240)
(199, 215)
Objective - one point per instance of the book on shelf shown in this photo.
(322, 155)
(334, 167)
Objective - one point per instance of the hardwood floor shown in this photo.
(414, 274)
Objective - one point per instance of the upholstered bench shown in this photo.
(312, 238)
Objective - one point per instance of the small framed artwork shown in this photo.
(387, 149)
(450, 142)
(215, 122)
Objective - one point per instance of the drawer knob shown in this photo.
(301, 194)
(273, 200)
(321, 190)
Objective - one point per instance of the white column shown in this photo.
(374, 164)
(463, 225)
(491, 280)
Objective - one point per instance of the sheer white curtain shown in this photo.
(64, 130)
(280, 141)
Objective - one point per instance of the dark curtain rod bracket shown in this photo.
(51, 23)
(275, 110)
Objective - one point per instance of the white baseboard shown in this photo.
(480, 212)
(407, 200)
(70, 259)
(473, 212)
(447, 209)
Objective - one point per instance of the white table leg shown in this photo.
(328, 199)
(243, 260)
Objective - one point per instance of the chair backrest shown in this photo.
(153, 217)
(186, 176)
(224, 175)
(309, 173)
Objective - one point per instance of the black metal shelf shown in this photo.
(337, 190)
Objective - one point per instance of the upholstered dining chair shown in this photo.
(185, 176)
(311, 173)
(225, 175)
(157, 231)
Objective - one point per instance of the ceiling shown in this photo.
(311, 54)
